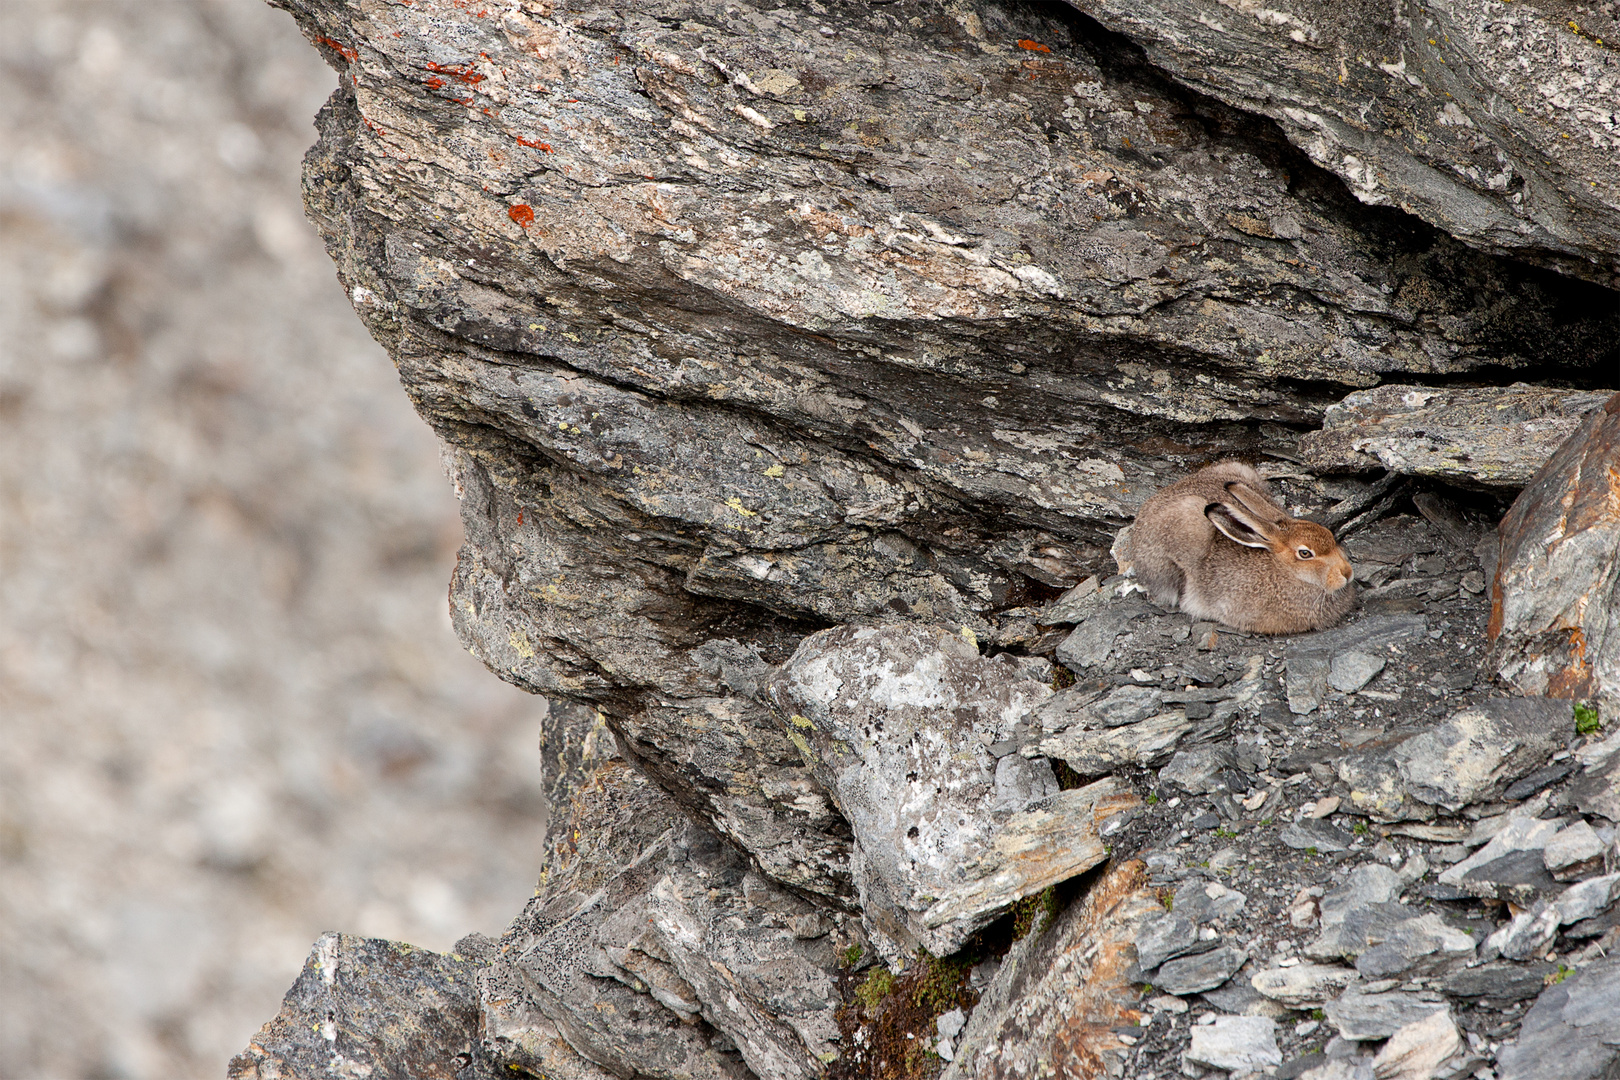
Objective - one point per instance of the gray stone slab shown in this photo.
(1200, 770)
(1470, 757)
(1350, 671)
(1368, 635)
(1587, 899)
(1597, 791)
(1239, 1044)
(1204, 971)
(1321, 835)
(1498, 982)
(1164, 936)
(1126, 705)
(1306, 682)
(1411, 942)
(1570, 1033)
(1208, 901)
(1304, 985)
(1576, 845)
(1096, 753)
(1361, 1016)
(1510, 866)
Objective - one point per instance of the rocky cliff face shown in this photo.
(790, 363)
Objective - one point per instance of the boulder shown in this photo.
(653, 947)
(1055, 1002)
(1239, 1044)
(363, 1006)
(1555, 599)
(896, 721)
(726, 354)
(1573, 1030)
(1303, 986)
(1476, 753)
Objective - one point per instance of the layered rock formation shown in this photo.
(790, 361)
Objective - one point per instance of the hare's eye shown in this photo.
(1305, 553)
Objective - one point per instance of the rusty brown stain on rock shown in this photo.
(1559, 573)
(1077, 990)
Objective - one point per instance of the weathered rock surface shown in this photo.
(364, 1007)
(1555, 600)
(1495, 122)
(653, 948)
(730, 353)
(1478, 751)
(792, 360)
(1573, 1030)
(1362, 1016)
(1057, 999)
(1303, 985)
(1485, 436)
(1239, 1044)
(896, 722)
(1424, 1050)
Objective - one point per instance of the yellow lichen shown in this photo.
(520, 643)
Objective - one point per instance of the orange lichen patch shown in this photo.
(1575, 680)
(434, 82)
(521, 213)
(464, 73)
(1032, 46)
(521, 141)
(347, 52)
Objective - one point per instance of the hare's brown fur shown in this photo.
(1216, 545)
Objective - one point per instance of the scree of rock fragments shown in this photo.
(798, 369)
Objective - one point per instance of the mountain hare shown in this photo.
(1216, 546)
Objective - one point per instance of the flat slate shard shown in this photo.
(1361, 1016)
(1164, 935)
(1489, 436)
(1239, 1044)
(1475, 753)
(1308, 835)
(1097, 753)
(1303, 986)
(365, 1007)
(1555, 599)
(1053, 840)
(1573, 1030)
(1202, 971)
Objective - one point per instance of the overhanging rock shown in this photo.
(1495, 122)
(1494, 437)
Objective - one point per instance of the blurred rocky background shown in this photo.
(232, 711)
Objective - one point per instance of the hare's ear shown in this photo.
(1238, 525)
(1254, 501)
